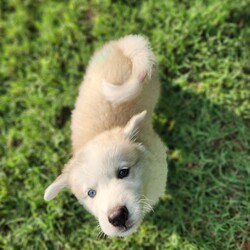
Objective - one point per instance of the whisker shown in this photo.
(145, 198)
(99, 236)
(148, 208)
(145, 204)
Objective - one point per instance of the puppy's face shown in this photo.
(106, 177)
(107, 181)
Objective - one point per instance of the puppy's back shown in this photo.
(121, 80)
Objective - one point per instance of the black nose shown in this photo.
(118, 216)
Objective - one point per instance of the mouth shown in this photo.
(127, 229)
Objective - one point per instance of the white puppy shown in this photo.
(118, 169)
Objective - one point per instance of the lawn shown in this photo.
(203, 52)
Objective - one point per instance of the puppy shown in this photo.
(118, 169)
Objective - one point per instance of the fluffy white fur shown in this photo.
(112, 130)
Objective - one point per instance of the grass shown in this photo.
(203, 51)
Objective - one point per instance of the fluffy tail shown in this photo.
(137, 49)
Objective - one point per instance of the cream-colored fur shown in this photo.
(112, 130)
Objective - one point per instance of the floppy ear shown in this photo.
(53, 189)
(132, 126)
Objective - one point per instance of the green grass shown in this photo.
(202, 48)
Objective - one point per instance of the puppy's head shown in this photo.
(106, 177)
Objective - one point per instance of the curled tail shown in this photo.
(137, 49)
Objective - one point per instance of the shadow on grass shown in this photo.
(207, 184)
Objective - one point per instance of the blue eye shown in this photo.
(91, 193)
